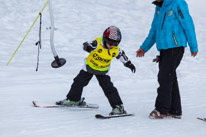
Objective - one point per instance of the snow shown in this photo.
(78, 21)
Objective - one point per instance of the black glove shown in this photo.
(131, 66)
(157, 59)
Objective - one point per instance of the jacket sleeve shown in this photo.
(90, 46)
(122, 56)
(188, 25)
(151, 38)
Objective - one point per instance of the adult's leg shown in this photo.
(176, 108)
(168, 91)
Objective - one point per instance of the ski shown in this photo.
(203, 119)
(91, 106)
(99, 116)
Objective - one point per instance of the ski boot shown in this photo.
(68, 102)
(118, 110)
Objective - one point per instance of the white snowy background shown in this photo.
(78, 21)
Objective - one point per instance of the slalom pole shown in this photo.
(27, 33)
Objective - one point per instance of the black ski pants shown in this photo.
(168, 99)
(83, 78)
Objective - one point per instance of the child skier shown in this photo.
(102, 50)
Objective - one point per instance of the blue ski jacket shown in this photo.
(172, 26)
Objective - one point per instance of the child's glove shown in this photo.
(131, 66)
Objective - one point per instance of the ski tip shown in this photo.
(203, 119)
(34, 103)
(199, 118)
(99, 116)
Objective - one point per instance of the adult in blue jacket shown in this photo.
(172, 28)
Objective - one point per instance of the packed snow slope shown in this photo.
(77, 21)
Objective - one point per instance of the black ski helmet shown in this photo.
(112, 36)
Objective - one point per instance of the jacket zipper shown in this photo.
(163, 21)
(173, 35)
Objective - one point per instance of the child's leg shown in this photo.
(80, 81)
(109, 90)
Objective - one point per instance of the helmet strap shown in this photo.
(104, 45)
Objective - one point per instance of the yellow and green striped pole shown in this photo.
(26, 34)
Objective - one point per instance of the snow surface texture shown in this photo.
(78, 21)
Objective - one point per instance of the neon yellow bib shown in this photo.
(100, 58)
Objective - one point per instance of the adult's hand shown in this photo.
(140, 53)
(194, 54)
